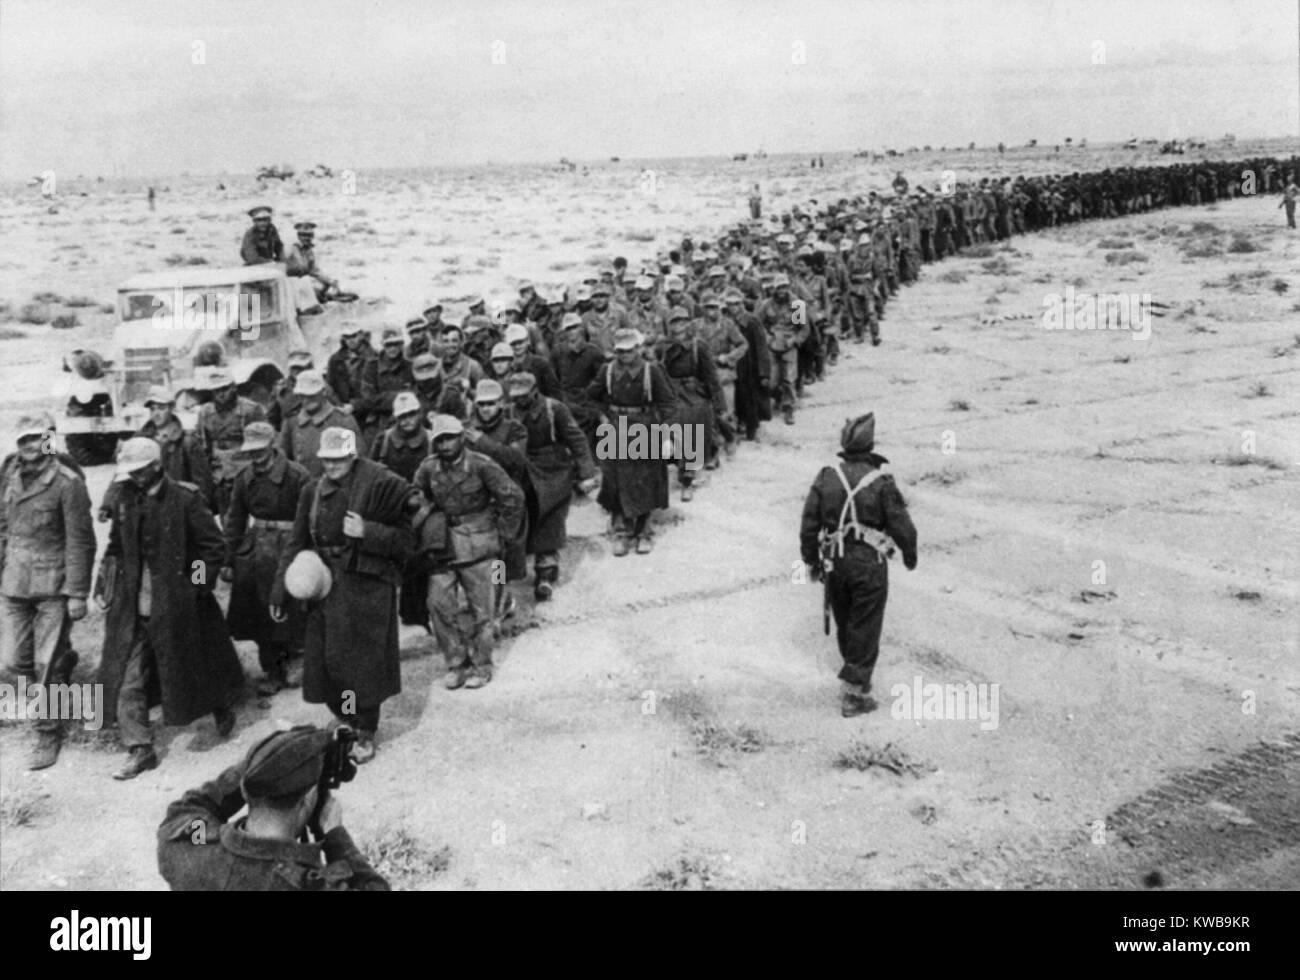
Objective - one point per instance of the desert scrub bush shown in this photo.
(76, 302)
(1242, 243)
(997, 267)
(979, 251)
(1202, 249)
(406, 861)
(1126, 258)
(37, 313)
(861, 756)
(1249, 459)
(688, 873)
(47, 297)
(1114, 243)
(177, 259)
(65, 321)
(953, 275)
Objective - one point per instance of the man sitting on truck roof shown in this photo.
(262, 241)
(312, 286)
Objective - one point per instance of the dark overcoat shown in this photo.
(197, 669)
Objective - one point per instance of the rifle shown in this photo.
(825, 550)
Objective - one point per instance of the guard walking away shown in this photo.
(263, 502)
(470, 508)
(266, 850)
(853, 520)
(165, 640)
(354, 522)
(47, 550)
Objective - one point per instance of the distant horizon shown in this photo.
(301, 168)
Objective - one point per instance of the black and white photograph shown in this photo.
(650, 445)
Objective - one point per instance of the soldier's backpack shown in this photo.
(832, 542)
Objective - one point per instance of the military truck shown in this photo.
(169, 323)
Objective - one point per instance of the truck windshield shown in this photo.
(248, 304)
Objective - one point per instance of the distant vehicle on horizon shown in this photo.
(742, 157)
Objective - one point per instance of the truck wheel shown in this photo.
(92, 450)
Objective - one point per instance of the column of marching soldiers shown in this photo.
(408, 483)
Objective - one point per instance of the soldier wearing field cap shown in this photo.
(183, 455)
(417, 337)
(356, 520)
(381, 380)
(202, 847)
(577, 361)
(346, 365)
(632, 391)
(524, 361)
(285, 399)
(559, 460)
(47, 550)
(470, 510)
(257, 526)
(262, 241)
(220, 428)
(603, 319)
(494, 431)
(854, 519)
(426, 370)
(786, 323)
(300, 438)
(165, 639)
(459, 370)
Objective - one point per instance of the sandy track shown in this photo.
(1115, 707)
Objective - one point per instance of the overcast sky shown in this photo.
(160, 87)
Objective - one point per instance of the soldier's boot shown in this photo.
(855, 701)
(479, 676)
(645, 543)
(142, 759)
(788, 412)
(622, 543)
(46, 750)
(225, 721)
(364, 749)
(454, 678)
(276, 679)
(547, 576)
(688, 488)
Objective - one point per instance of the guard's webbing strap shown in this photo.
(849, 516)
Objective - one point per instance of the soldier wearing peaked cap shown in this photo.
(202, 847)
(313, 285)
(854, 518)
(165, 639)
(257, 525)
(417, 336)
(355, 518)
(47, 549)
(345, 367)
(262, 241)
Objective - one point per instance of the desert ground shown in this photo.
(671, 721)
